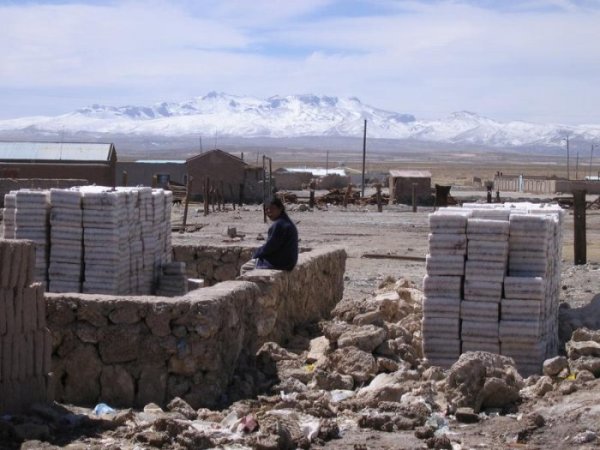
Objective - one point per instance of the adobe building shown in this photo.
(228, 172)
(94, 162)
(142, 172)
(401, 186)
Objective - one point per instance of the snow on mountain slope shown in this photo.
(296, 116)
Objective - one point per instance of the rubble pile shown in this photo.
(25, 342)
(493, 273)
(94, 239)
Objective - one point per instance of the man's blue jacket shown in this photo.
(281, 249)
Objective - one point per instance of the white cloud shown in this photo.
(532, 59)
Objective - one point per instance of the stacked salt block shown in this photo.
(133, 230)
(172, 281)
(159, 228)
(25, 342)
(511, 283)
(31, 222)
(65, 271)
(529, 325)
(443, 287)
(487, 254)
(105, 237)
(149, 242)
(8, 215)
(168, 243)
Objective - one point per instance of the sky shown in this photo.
(532, 60)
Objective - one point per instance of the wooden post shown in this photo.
(264, 189)
(364, 155)
(231, 195)
(241, 199)
(347, 195)
(154, 181)
(206, 194)
(212, 197)
(188, 194)
(378, 197)
(579, 235)
(311, 193)
(414, 197)
(124, 178)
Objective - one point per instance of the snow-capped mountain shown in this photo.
(297, 116)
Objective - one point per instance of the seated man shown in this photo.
(280, 252)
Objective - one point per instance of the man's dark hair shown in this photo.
(275, 201)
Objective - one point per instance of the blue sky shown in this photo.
(535, 60)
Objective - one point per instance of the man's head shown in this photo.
(274, 208)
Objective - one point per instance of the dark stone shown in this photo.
(466, 415)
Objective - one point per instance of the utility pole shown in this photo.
(591, 156)
(364, 159)
(200, 144)
(577, 166)
(327, 163)
(568, 163)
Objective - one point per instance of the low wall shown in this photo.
(128, 351)
(214, 264)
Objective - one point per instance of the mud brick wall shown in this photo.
(25, 342)
(212, 263)
(128, 351)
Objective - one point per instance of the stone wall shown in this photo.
(212, 263)
(128, 351)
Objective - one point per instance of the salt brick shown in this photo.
(476, 328)
(29, 309)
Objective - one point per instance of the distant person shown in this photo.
(280, 251)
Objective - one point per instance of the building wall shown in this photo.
(291, 181)
(102, 174)
(140, 174)
(592, 187)
(220, 167)
(402, 189)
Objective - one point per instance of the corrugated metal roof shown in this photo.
(161, 161)
(410, 173)
(54, 151)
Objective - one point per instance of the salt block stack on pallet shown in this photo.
(31, 222)
(66, 235)
(100, 240)
(487, 254)
(442, 287)
(105, 237)
(8, 215)
(25, 342)
(149, 243)
(510, 286)
(529, 326)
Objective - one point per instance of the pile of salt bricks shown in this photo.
(492, 283)
(96, 239)
(25, 342)
(173, 281)
(26, 217)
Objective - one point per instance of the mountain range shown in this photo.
(297, 116)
